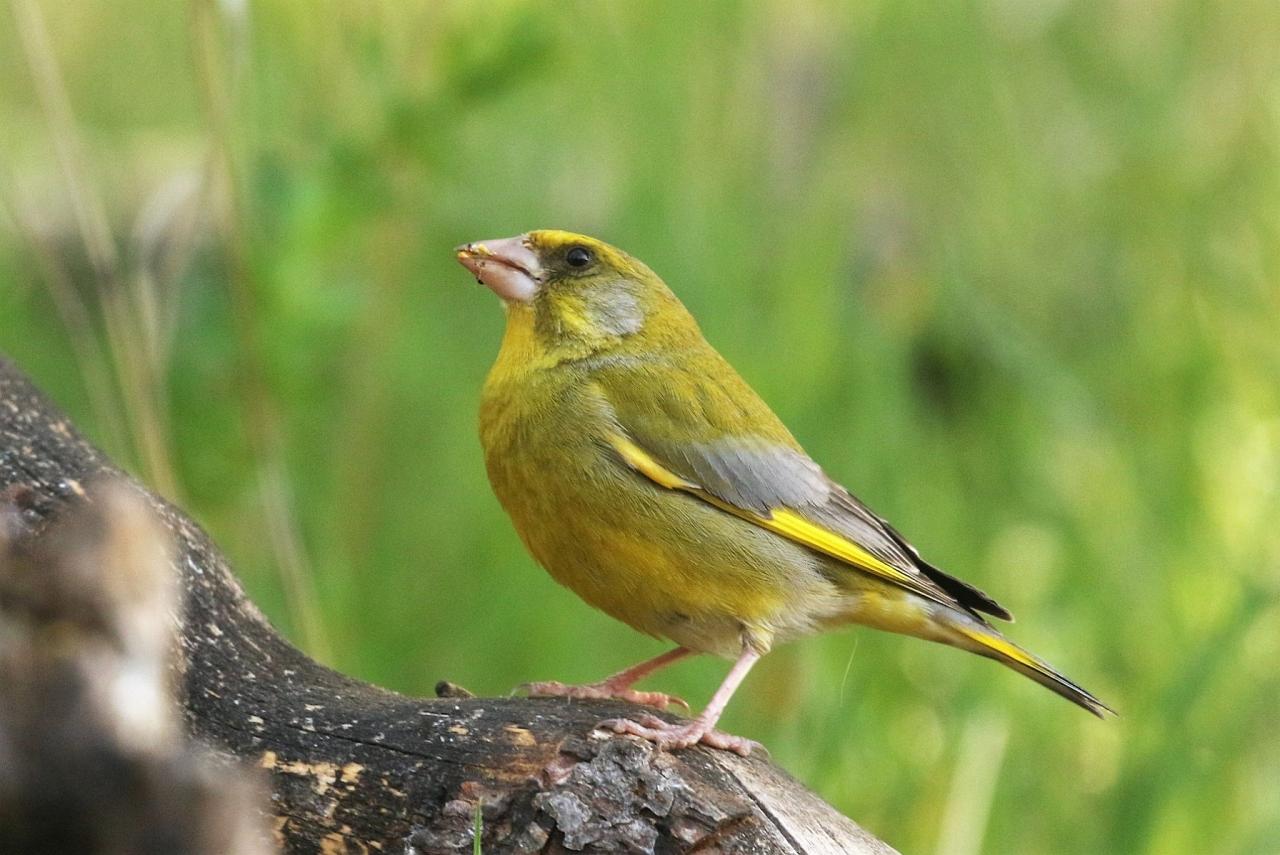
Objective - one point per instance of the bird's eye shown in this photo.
(578, 256)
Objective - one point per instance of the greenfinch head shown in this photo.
(581, 292)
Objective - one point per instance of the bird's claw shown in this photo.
(668, 736)
(602, 691)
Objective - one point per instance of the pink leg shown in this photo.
(619, 685)
(701, 729)
(636, 673)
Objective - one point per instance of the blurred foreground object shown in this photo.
(92, 759)
(353, 767)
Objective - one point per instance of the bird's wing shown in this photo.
(769, 482)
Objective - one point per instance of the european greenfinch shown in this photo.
(646, 476)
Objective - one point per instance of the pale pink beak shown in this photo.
(508, 266)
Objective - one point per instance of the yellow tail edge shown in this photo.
(987, 642)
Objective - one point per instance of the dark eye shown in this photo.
(578, 256)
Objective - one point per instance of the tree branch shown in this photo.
(357, 768)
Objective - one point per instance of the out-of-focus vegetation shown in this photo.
(1008, 269)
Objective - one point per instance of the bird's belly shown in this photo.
(663, 562)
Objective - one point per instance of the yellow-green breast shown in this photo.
(661, 561)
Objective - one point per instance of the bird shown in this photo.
(645, 475)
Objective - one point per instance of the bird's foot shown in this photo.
(667, 735)
(603, 691)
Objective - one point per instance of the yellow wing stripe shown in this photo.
(1002, 646)
(781, 521)
(792, 525)
(640, 460)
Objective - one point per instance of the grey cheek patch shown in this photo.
(616, 312)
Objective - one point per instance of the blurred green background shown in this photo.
(1008, 269)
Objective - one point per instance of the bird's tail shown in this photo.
(985, 641)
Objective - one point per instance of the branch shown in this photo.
(357, 768)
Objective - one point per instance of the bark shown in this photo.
(356, 768)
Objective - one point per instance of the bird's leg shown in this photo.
(619, 685)
(701, 729)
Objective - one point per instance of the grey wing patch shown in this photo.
(751, 474)
(760, 476)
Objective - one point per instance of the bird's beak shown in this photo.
(508, 266)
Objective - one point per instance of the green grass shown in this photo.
(1007, 269)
